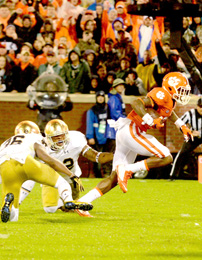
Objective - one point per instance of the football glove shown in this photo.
(77, 181)
(157, 124)
(187, 133)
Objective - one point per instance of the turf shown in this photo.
(155, 219)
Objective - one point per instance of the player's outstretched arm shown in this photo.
(51, 161)
(95, 156)
(182, 126)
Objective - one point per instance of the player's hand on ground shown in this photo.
(77, 181)
(187, 133)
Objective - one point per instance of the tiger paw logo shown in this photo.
(160, 95)
(173, 81)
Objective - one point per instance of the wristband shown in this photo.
(148, 119)
(97, 157)
(87, 148)
(179, 123)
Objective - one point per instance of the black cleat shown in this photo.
(78, 205)
(5, 211)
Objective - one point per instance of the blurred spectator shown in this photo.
(95, 3)
(76, 73)
(96, 122)
(144, 37)
(88, 43)
(25, 47)
(41, 58)
(111, 76)
(108, 56)
(122, 13)
(108, 16)
(165, 47)
(94, 86)
(91, 58)
(3, 52)
(27, 31)
(145, 71)
(176, 63)
(5, 14)
(62, 54)
(188, 34)
(124, 47)
(134, 85)
(24, 73)
(81, 20)
(12, 42)
(48, 31)
(73, 8)
(102, 77)
(10, 4)
(94, 26)
(6, 75)
(116, 26)
(37, 48)
(196, 21)
(124, 66)
(50, 14)
(52, 64)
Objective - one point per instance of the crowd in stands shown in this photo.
(89, 44)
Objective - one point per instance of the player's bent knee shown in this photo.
(168, 159)
(50, 209)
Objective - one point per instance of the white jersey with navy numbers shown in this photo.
(18, 147)
(69, 154)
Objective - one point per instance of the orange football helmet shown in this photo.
(178, 87)
(27, 127)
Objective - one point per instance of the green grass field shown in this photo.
(155, 219)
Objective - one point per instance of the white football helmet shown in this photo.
(177, 85)
(56, 127)
(27, 127)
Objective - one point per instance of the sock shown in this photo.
(26, 188)
(14, 214)
(138, 166)
(91, 195)
(53, 209)
(64, 189)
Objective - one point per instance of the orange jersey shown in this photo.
(161, 102)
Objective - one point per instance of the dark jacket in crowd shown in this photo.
(27, 34)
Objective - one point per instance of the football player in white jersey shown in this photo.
(66, 146)
(18, 164)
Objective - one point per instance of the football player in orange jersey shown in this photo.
(132, 139)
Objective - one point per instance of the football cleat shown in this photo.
(5, 211)
(78, 205)
(83, 213)
(123, 177)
